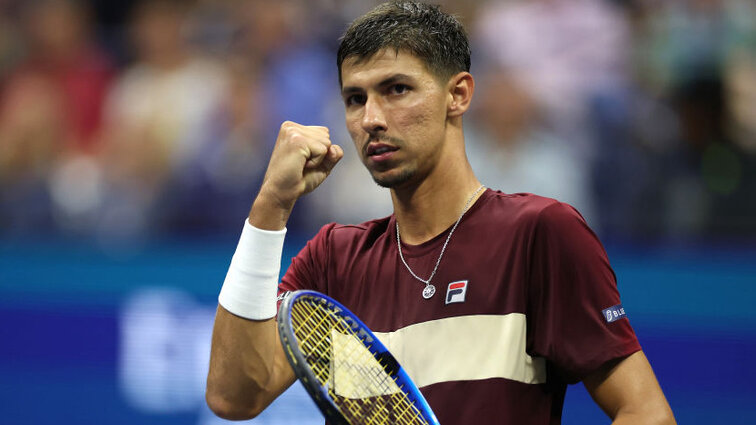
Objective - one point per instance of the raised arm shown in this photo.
(628, 392)
(248, 369)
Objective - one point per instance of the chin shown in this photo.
(393, 180)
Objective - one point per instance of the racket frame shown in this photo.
(302, 370)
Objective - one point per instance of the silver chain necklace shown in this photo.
(429, 289)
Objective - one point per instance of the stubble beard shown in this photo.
(390, 181)
(394, 181)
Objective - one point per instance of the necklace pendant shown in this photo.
(429, 291)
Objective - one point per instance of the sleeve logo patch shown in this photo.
(612, 314)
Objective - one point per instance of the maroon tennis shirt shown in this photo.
(526, 303)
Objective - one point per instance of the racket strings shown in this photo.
(361, 386)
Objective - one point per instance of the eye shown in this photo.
(399, 89)
(354, 99)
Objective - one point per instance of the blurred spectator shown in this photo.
(511, 150)
(298, 79)
(298, 59)
(50, 107)
(10, 35)
(740, 86)
(158, 118)
(693, 55)
(572, 57)
(564, 52)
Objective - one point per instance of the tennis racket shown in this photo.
(347, 371)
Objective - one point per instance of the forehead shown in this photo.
(384, 64)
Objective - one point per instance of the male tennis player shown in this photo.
(493, 302)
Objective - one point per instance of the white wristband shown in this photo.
(251, 283)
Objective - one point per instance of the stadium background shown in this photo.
(134, 134)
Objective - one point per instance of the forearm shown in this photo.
(246, 373)
(270, 212)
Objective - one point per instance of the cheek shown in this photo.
(424, 117)
(357, 135)
(353, 127)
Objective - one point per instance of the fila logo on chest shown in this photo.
(455, 292)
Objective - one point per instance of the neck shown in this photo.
(426, 210)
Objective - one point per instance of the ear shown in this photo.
(460, 92)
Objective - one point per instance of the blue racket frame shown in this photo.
(318, 393)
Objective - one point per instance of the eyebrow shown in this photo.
(386, 82)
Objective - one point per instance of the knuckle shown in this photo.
(291, 134)
(297, 137)
(287, 127)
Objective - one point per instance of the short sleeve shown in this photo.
(308, 269)
(571, 285)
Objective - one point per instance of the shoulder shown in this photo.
(528, 217)
(550, 226)
(346, 235)
(526, 208)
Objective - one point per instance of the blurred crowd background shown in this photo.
(130, 119)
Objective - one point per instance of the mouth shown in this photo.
(380, 154)
(375, 149)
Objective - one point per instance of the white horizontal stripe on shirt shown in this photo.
(466, 348)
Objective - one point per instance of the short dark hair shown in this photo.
(435, 37)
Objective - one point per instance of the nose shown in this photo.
(373, 118)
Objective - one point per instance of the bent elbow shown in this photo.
(666, 418)
(661, 415)
(229, 410)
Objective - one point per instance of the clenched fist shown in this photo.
(301, 160)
